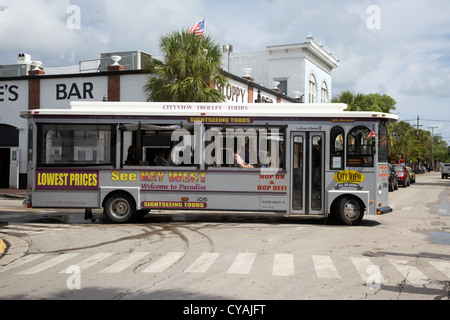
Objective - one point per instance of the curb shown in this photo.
(16, 248)
(2, 247)
(13, 196)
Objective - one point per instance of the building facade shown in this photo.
(299, 70)
(117, 76)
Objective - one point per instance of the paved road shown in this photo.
(403, 255)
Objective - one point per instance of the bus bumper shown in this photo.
(384, 210)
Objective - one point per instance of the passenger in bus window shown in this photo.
(160, 160)
(131, 158)
(238, 161)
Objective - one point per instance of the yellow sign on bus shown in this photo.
(348, 176)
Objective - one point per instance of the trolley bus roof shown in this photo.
(168, 109)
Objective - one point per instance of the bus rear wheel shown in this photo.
(120, 208)
(350, 211)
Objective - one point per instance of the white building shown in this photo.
(298, 70)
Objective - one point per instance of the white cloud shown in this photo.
(34, 27)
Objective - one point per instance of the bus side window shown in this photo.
(360, 147)
(337, 148)
(383, 144)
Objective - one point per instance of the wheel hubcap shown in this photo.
(120, 207)
(352, 210)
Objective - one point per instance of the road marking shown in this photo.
(324, 267)
(21, 262)
(89, 262)
(443, 267)
(412, 274)
(283, 265)
(367, 269)
(203, 262)
(50, 263)
(242, 264)
(361, 265)
(125, 262)
(165, 262)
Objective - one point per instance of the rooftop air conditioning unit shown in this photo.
(24, 58)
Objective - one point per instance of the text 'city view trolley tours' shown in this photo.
(299, 160)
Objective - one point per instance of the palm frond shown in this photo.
(189, 65)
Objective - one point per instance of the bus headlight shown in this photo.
(380, 189)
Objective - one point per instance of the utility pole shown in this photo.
(418, 123)
(432, 146)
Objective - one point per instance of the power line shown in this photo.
(436, 120)
(428, 120)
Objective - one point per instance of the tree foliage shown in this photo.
(416, 145)
(366, 102)
(410, 144)
(189, 69)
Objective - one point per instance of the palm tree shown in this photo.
(188, 72)
(366, 102)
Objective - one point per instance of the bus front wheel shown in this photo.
(120, 208)
(350, 210)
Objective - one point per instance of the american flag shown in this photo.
(198, 29)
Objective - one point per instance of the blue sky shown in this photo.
(401, 49)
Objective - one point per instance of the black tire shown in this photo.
(120, 208)
(350, 210)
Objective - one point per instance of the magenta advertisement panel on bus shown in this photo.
(54, 179)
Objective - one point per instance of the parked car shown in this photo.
(402, 175)
(393, 180)
(412, 175)
(445, 170)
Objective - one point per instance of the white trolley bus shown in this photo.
(302, 160)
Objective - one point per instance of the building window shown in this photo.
(283, 86)
(312, 89)
(324, 93)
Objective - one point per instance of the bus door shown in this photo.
(307, 173)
